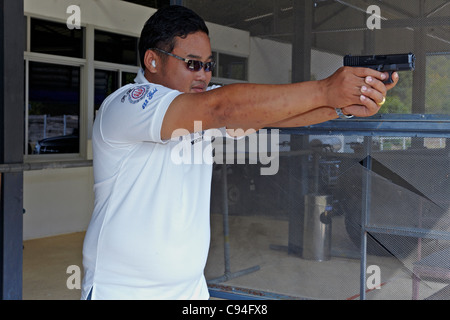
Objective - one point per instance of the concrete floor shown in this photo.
(252, 243)
(45, 265)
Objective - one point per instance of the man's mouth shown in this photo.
(198, 88)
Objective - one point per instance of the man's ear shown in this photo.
(150, 61)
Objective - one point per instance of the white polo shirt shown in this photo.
(150, 230)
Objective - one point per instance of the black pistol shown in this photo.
(384, 63)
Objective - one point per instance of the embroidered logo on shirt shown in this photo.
(125, 95)
(138, 93)
(149, 97)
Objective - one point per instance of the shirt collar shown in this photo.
(140, 77)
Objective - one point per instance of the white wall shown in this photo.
(270, 61)
(324, 64)
(229, 40)
(57, 201)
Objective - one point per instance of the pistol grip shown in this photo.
(389, 80)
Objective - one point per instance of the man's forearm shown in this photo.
(257, 106)
(308, 118)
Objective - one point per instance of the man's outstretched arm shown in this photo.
(254, 106)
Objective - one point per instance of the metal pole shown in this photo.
(365, 213)
(298, 169)
(226, 232)
(302, 41)
(420, 72)
(12, 35)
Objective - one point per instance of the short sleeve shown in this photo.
(135, 113)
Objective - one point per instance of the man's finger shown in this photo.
(377, 96)
(366, 72)
(395, 78)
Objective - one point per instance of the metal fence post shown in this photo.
(365, 213)
(12, 37)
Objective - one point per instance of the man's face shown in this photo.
(175, 74)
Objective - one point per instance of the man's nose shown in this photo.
(202, 75)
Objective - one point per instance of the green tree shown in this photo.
(437, 99)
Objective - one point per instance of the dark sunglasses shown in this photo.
(192, 65)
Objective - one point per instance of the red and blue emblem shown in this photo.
(138, 93)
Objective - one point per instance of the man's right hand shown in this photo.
(358, 91)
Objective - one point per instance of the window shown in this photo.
(53, 108)
(55, 38)
(111, 50)
(232, 67)
(128, 77)
(116, 48)
(54, 89)
(106, 82)
(55, 64)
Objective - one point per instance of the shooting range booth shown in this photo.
(357, 209)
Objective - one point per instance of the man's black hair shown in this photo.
(167, 23)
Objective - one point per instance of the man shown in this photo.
(149, 234)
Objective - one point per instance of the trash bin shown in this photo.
(317, 228)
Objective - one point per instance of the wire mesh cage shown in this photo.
(398, 200)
